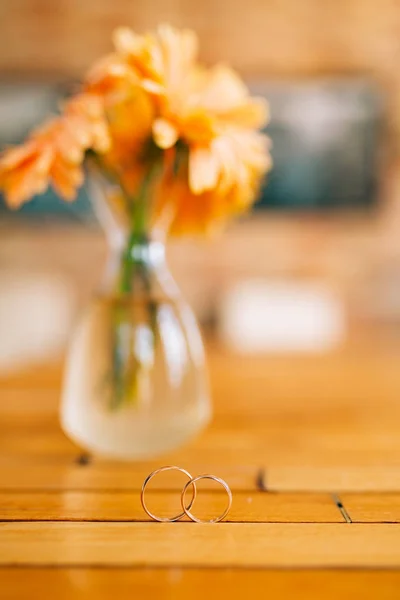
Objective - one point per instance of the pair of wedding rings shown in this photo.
(186, 508)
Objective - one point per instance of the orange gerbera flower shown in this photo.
(241, 158)
(150, 108)
(210, 111)
(161, 60)
(54, 153)
(219, 123)
(129, 126)
(164, 63)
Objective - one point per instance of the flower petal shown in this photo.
(204, 170)
(252, 114)
(152, 87)
(126, 41)
(165, 133)
(15, 155)
(29, 179)
(224, 89)
(66, 179)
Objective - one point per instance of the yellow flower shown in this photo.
(54, 153)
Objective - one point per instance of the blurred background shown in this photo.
(318, 260)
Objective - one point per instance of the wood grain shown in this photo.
(331, 411)
(209, 545)
(125, 506)
(372, 507)
(351, 36)
(66, 473)
(261, 442)
(180, 584)
(303, 437)
(329, 479)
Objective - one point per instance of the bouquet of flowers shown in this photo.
(149, 114)
(179, 149)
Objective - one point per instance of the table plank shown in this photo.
(230, 441)
(331, 410)
(372, 507)
(47, 375)
(193, 545)
(181, 584)
(64, 473)
(311, 431)
(125, 506)
(361, 478)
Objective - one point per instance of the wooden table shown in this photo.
(309, 445)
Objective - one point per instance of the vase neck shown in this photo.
(138, 266)
(141, 250)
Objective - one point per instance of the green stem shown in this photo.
(134, 269)
(139, 214)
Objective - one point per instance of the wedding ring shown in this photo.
(193, 482)
(146, 481)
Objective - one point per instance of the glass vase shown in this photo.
(135, 383)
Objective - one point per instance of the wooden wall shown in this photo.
(58, 39)
(274, 37)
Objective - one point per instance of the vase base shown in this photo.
(138, 443)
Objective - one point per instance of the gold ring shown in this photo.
(193, 482)
(146, 481)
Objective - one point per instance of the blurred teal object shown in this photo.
(325, 135)
(51, 204)
(326, 138)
